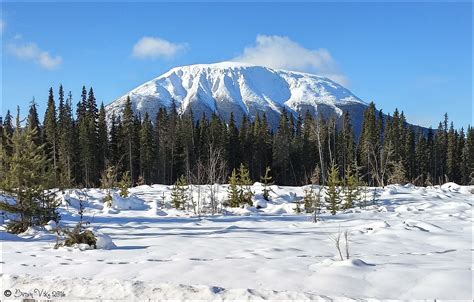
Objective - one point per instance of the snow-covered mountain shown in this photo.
(242, 89)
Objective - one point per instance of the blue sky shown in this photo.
(417, 57)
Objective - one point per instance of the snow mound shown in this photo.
(353, 263)
(356, 262)
(392, 190)
(90, 199)
(372, 227)
(280, 209)
(260, 204)
(131, 202)
(450, 186)
(104, 242)
(36, 232)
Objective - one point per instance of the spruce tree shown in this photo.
(351, 186)
(32, 122)
(346, 147)
(86, 142)
(468, 157)
(102, 140)
(266, 181)
(160, 138)
(369, 141)
(409, 156)
(233, 147)
(127, 138)
(26, 177)
(281, 150)
(233, 199)
(113, 152)
(93, 139)
(124, 184)
(65, 133)
(108, 181)
(7, 133)
(452, 160)
(179, 193)
(422, 159)
(309, 200)
(146, 149)
(264, 144)
(50, 134)
(332, 189)
(245, 183)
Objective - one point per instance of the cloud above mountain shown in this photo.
(281, 52)
(154, 47)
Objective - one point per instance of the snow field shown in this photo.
(413, 243)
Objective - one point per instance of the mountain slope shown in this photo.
(243, 89)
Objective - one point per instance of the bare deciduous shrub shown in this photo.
(337, 241)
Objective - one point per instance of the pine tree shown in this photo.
(281, 150)
(108, 181)
(127, 137)
(32, 122)
(146, 149)
(7, 133)
(452, 160)
(422, 159)
(309, 200)
(102, 139)
(346, 148)
(161, 154)
(66, 136)
(178, 195)
(245, 183)
(87, 136)
(332, 190)
(264, 144)
(409, 156)
(124, 184)
(233, 199)
(26, 179)
(462, 169)
(369, 141)
(266, 181)
(468, 157)
(50, 133)
(233, 144)
(351, 187)
(92, 134)
(113, 152)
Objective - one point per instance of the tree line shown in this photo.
(81, 144)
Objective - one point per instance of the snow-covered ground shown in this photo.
(413, 243)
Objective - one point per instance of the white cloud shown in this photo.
(152, 47)
(31, 52)
(282, 53)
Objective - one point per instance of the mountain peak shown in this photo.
(241, 88)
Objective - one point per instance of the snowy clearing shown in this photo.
(413, 243)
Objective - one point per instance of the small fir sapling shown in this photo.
(266, 181)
